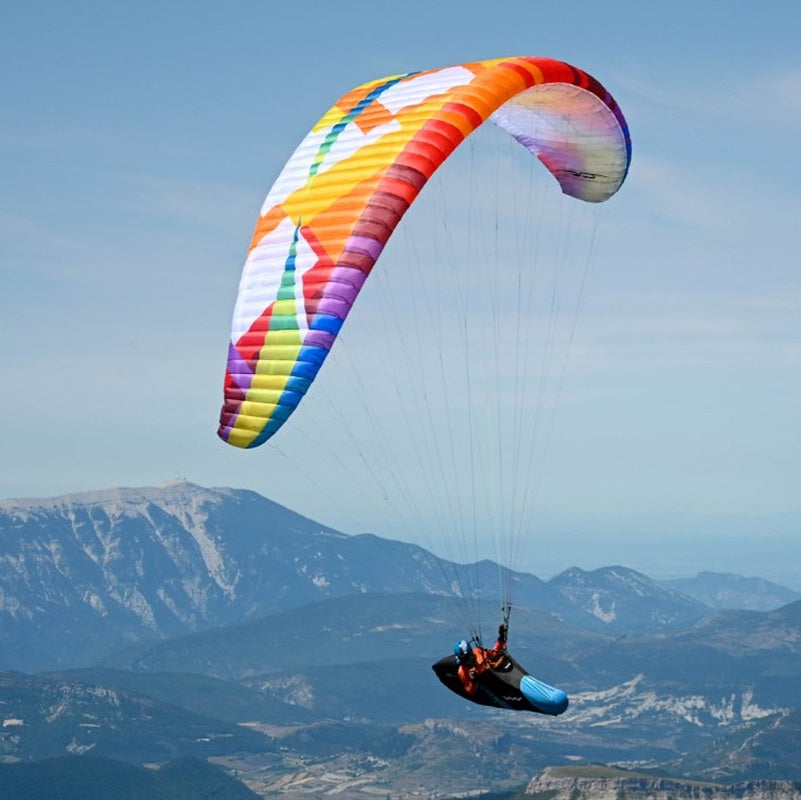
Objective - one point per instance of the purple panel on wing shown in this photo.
(366, 245)
(239, 369)
(348, 276)
(342, 287)
(333, 304)
(340, 291)
(322, 339)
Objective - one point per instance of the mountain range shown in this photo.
(88, 574)
(183, 621)
(356, 669)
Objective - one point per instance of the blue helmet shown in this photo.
(461, 649)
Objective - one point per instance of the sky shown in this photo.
(138, 142)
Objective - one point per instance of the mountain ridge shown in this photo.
(92, 572)
(596, 782)
(727, 591)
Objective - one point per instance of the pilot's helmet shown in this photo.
(461, 650)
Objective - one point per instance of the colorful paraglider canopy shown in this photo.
(338, 199)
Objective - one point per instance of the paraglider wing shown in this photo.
(337, 200)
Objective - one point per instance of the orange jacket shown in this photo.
(469, 673)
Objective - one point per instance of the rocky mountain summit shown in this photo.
(88, 573)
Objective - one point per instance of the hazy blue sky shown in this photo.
(139, 139)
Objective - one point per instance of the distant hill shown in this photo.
(342, 691)
(757, 751)
(616, 595)
(41, 717)
(84, 575)
(225, 700)
(723, 590)
(91, 778)
(345, 630)
(346, 656)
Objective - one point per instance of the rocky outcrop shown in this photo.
(605, 783)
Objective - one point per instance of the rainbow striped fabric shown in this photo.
(337, 200)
